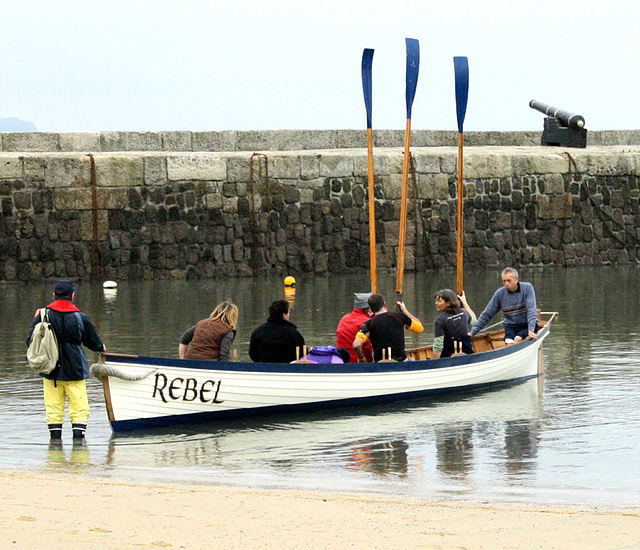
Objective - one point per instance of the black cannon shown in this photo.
(561, 128)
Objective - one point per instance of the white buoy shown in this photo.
(109, 284)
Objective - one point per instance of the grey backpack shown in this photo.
(42, 353)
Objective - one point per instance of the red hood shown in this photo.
(361, 312)
(63, 306)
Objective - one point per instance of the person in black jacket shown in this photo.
(276, 340)
(73, 330)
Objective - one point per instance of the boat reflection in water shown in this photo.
(365, 445)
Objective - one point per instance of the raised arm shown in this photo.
(465, 305)
(416, 325)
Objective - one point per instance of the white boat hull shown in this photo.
(176, 391)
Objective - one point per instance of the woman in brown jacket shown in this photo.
(211, 338)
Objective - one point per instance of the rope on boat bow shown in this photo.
(100, 370)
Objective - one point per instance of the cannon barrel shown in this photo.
(567, 119)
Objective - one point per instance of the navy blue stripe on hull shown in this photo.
(142, 423)
(324, 368)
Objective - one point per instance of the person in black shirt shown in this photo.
(453, 324)
(276, 340)
(385, 330)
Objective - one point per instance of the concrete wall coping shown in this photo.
(511, 151)
(277, 140)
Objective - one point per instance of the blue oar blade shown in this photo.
(413, 64)
(367, 62)
(461, 69)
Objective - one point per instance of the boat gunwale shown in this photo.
(328, 368)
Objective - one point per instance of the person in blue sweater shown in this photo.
(517, 300)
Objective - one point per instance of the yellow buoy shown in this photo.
(289, 281)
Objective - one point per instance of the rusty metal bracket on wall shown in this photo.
(95, 257)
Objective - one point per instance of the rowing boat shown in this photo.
(143, 392)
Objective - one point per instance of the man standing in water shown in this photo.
(518, 302)
(73, 330)
(386, 330)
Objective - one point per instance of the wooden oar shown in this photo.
(413, 63)
(461, 69)
(367, 61)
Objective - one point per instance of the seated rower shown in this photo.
(385, 330)
(517, 300)
(277, 340)
(453, 323)
(350, 324)
(211, 338)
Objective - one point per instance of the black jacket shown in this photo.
(73, 330)
(275, 342)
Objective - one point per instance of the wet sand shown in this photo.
(52, 511)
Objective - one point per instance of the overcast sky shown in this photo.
(248, 65)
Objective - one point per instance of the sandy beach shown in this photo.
(52, 511)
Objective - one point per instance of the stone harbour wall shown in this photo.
(160, 214)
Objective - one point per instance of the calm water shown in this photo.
(575, 438)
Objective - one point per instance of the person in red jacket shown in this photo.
(350, 324)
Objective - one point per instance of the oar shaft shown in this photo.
(460, 225)
(461, 72)
(403, 207)
(372, 213)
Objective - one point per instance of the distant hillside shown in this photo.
(13, 124)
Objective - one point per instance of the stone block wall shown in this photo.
(134, 215)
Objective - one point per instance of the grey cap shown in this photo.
(361, 300)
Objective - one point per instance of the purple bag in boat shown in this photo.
(324, 354)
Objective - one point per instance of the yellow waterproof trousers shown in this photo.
(55, 392)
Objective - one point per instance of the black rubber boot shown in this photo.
(78, 431)
(55, 431)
